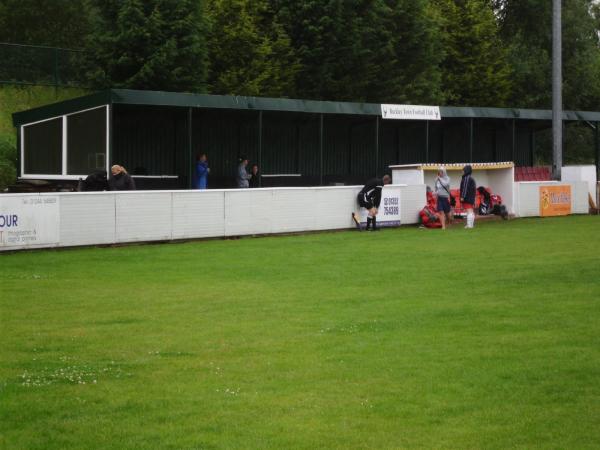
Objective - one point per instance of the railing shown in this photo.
(39, 65)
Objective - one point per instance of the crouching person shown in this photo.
(369, 198)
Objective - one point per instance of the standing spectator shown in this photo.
(369, 198)
(442, 190)
(202, 171)
(120, 180)
(255, 180)
(243, 176)
(467, 195)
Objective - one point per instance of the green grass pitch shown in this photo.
(408, 338)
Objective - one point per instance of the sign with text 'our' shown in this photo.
(28, 221)
(555, 200)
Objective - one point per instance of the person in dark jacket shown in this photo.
(255, 180)
(95, 181)
(369, 198)
(202, 171)
(120, 180)
(467, 194)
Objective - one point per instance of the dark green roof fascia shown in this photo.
(132, 97)
(61, 108)
(515, 113)
(159, 98)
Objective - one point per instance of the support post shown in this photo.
(495, 146)
(260, 130)
(532, 148)
(376, 146)
(471, 140)
(427, 141)
(321, 149)
(111, 137)
(189, 148)
(514, 141)
(557, 131)
(597, 152)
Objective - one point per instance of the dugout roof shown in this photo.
(159, 98)
(157, 136)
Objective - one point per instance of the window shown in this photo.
(43, 147)
(86, 142)
(66, 147)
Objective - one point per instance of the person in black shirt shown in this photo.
(369, 198)
(468, 189)
(255, 180)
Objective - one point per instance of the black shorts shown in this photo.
(364, 203)
(443, 204)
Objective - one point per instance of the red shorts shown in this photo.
(466, 205)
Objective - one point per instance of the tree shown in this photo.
(59, 23)
(154, 44)
(406, 69)
(250, 53)
(364, 50)
(526, 27)
(476, 70)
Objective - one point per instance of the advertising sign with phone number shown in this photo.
(389, 209)
(28, 221)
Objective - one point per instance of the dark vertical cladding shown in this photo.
(153, 140)
(484, 140)
(225, 135)
(349, 148)
(150, 140)
(456, 140)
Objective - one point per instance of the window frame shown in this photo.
(64, 155)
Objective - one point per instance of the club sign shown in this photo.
(410, 112)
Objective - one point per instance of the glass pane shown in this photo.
(43, 147)
(86, 142)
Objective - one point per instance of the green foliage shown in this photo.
(59, 23)
(527, 33)
(14, 99)
(476, 71)
(364, 51)
(155, 44)
(8, 161)
(405, 66)
(250, 52)
(326, 341)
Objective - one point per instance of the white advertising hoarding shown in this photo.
(389, 209)
(410, 112)
(29, 221)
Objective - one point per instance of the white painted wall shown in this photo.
(408, 175)
(117, 217)
(502, 182)
(581, 173)
(527, 197)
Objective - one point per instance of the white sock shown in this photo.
(471, 220)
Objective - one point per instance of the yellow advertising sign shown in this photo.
(555, 200)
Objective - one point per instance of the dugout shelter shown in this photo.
(157, 135)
